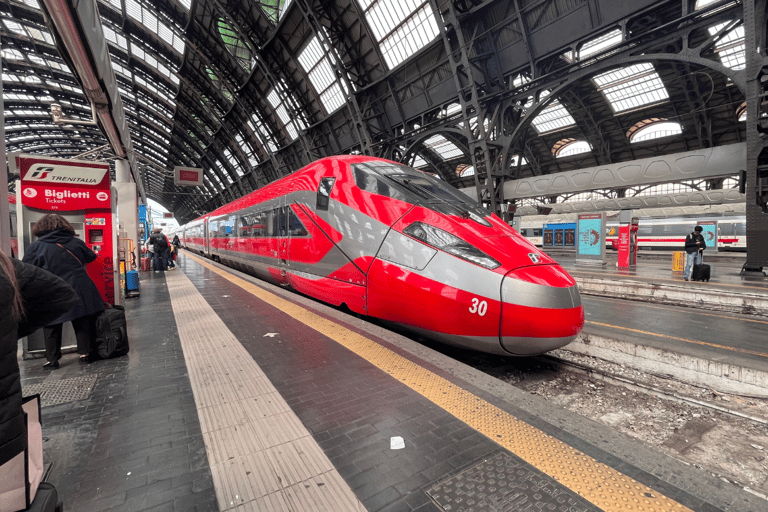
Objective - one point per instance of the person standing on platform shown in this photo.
(30, 298)
(150, 252)
(694, 249)
(60, 252)
(160, 244)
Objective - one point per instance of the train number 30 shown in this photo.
(478, 306)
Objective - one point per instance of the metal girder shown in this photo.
(757, 132)
(697, 164)
(311, 15)
(697, 198)
(488, 179)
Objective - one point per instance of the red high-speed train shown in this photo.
(400, 245)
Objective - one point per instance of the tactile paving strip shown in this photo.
(54, 392)
(503, 483)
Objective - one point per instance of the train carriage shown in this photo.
(396, 244)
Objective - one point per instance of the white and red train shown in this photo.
(666, 232)
(396, 244)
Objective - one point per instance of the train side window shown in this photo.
(295, 226)
(229, 226)
(536, 232)
(324, 193)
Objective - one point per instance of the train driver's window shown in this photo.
(295, 227)
(324, 193)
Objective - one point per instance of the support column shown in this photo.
(757, 137)
(127, 212)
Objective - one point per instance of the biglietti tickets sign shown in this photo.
(188, 176)
(65, 185)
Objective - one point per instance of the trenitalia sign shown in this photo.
(63, 185)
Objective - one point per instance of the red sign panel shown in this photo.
(61, 185)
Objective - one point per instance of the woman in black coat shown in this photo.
(29, 299)
(58, 251)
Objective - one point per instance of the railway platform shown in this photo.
(238, 395)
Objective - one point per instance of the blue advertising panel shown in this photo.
(591, 235)
(710, 233)
(590, 238)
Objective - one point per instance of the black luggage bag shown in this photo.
(700, 272)
(111, 333)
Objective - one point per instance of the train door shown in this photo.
(280, 229)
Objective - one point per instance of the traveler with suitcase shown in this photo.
(694, 254)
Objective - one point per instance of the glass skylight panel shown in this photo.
(14, 27)
(239, 49)
(418, 162)
(601, 43)
(32, 3)
(274, 100)
(261, 133)
(316, 64)
(40, 35)
(632, 87)
(553, 117)
(515, 159)
(115, 38)
(402, 27)
(9, 54)
(731, 47)
(133, 9)
(443, 147)
(656, 131)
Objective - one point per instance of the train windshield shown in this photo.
(405, 183)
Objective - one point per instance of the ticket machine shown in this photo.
(628, 227)
(81, 192)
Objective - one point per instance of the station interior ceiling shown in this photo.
(476, 92)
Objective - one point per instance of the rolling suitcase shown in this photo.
(700, 272)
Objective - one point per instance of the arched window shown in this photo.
(467, 171)
(653, 128)
(741, 112)
(570, 147)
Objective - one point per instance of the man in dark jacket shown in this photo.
(694, 249)
(160, 244)
(58, 251)
(30, 298)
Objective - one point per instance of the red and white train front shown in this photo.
(472, 281)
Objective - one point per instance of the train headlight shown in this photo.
(449, 243)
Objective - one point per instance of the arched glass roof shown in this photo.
(250, 91)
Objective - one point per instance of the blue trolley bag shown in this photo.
(112, 332)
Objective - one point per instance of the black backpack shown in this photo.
(159, 242)
(112, 332)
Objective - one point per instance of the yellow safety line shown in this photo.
(733, 349)
(599, 484)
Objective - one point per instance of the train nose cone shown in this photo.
(541, 309)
